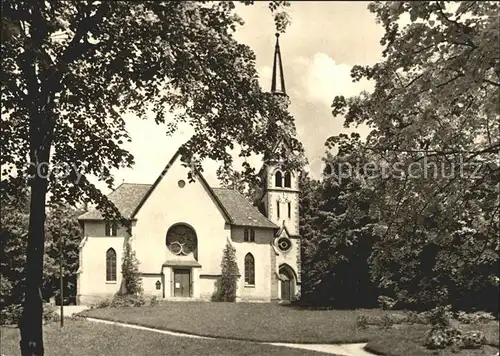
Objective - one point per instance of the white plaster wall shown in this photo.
(149, 285)
(262, 256)
(207, 286)
(168, 205)
(292, 222)
(92, 278)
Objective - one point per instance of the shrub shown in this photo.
(154, 301)
(226, 285)
(105, 303)
(440, 337)
(49, 313)
(10, 314)
(472, 340)
(132, 281)
(412, 318)
(128, 300)
(474, 318)
(386, 302)
(362, 322)
(440, 317)
(387, 321)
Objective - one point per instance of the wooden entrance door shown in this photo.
(182, 283)
(287, 283)
(285, 290)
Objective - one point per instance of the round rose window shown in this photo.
(181, 240)
(284, 244)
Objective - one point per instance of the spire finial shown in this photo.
(278, 66)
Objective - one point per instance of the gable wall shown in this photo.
(169, 204)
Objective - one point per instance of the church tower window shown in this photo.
(245, 235)
(289, 210)
(278, 209)
(278, 177)
(252, 235)
(288, 180)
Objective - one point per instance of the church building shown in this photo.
(179, 231)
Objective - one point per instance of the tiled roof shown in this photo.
(126, 198)
(240, 210)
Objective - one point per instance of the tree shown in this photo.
(337, 229)
(434, 119)
(226, 285)
(71, 70)
(61, 223)
(132, 282)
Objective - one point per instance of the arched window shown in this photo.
(288, 180)
(245, 235)
(249, 270)
(110, 265)
(252, 235)
(278, 177)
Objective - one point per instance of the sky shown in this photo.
(323, 42)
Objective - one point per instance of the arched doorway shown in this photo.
(287, 283)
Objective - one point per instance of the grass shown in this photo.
(247, 321)
(80, 337)
(278, 323)
(408, 340)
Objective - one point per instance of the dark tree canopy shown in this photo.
(434, 117)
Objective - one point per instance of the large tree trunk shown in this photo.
(32, 316)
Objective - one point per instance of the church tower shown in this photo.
(281, 204)
(281, 195)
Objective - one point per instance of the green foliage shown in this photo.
(61, 223)
(154, 301)
(473, 339)
(11, 314)
(336, 228)
(361, 322)
(132, 281)
(474, 318)
(433, 116)
(104, 303)
(227, 283)
(386, 302)
(127, 300)
(443, 337)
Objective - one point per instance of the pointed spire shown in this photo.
(277, 62)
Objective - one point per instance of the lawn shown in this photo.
(278, 323)
(247, 321)
(79, 337)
